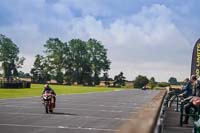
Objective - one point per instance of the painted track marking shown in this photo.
(66, 127)
(107, 118)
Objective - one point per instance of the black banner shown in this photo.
(195, 67)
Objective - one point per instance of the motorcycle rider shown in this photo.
(48, 89)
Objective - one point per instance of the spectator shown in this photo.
(191, 100)
(175, 92)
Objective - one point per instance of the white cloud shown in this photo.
(147, 42)
(149, 37)
(26, 36)
(28, 63)
(88, 7)
(160, 70)
(62, 10)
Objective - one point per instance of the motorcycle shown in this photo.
(48, 100)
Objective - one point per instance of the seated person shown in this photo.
(49, 89)
(193, 103)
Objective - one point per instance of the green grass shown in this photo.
(36, 90)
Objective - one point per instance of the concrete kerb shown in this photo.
(145, 120)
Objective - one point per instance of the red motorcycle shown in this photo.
(49, 102)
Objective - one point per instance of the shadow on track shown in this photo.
(61, 113)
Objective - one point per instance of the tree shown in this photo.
(79, 60)
(75, 61)
(152, 82)
(98, 58)
(119, 79)
(10, 61)
(105, 78)
(172, 81)
(24, 75)
(57, 53)
(40, 70)
(163, 84)
(140, 81)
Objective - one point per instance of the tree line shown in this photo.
(77, 61)
(74, 61)
(142, 81)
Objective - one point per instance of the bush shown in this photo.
(140, 81)
(15, 84)
(163, 84)
(115, 86)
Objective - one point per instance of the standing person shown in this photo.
(191, 90)
(171, 95)
(197, 88)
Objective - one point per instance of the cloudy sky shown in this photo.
(148, 37)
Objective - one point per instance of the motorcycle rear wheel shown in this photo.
(51, 111)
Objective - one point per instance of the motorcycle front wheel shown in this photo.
(46, 105)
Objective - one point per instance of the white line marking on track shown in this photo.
(64, 108)
(73, 128)
(101, 105)
(61, 102)
(61, 127)
(133, 112)
(118, 90)
(88, 117)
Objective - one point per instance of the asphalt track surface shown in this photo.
(79, 113)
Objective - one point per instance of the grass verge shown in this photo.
(36, 90)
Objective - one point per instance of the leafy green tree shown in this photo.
(98, 58)
(40, 70)
(10, 61)
(163, 84)
(152, 83)
(106, 78)
(140, 81)
(87, 75)
(24, 75)
(172, 81)
(119, 79)
(57, 53)
(78, 56)
(75, 61)
(21, 74)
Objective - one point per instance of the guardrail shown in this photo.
(148, 119)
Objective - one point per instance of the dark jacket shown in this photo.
(197, 89)
(187, 90)
(48, 89)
